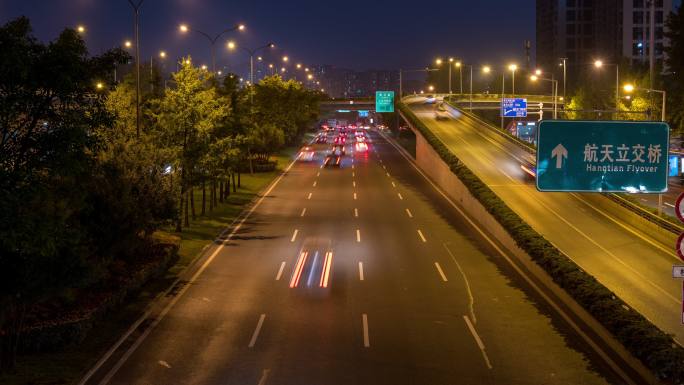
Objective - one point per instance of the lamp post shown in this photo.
(439, 62)
(459, 65)
(554, 90)
(251, 53)
(401, 77)
(136, 18)
(513, 68)
(565, 72)
(212, 40)
(630, 88)
(599, 64)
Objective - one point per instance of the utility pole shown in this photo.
(136, 12)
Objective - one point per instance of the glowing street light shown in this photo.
(486, 69)
(431, 88)
(309, 76)
(534, 78)
(99, 85)
(538, 72)
(299, 66)
(286, 59)
(231, 45)
(128, 44)
(80, 29)
(438, 62)
(513, 68)
(184, 28)
(598, 63)
(162, 54)
(628, 87)
(204, 67)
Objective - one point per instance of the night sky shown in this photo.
(368, 34)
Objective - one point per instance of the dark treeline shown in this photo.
(82, 191)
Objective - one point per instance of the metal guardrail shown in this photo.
(672, 227)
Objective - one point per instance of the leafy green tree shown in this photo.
(187, 115)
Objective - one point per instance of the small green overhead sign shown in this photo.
(384, 101)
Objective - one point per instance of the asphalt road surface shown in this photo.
(629, 262)
(362, 274)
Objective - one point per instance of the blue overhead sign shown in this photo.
(363, 113)
(513, 108)
(602, 156)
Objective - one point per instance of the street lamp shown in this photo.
(431, 88)
(599, 64)
(401, 77)
(486, 69)
(286, 59)
(128, 44)
(513, 68)
(554, 89)
(162, 54)
(80, 29)
(439, 62)
(251, 53)
(212, 39)
(459, 65)
(136, 21)
(631, 88)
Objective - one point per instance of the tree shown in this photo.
(187, 115)
(50, 113)
(674, 81)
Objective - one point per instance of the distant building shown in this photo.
(346, 83)
(584, 30)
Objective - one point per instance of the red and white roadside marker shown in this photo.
(678, 271)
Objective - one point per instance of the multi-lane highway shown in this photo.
(627, 261)
(362, 274)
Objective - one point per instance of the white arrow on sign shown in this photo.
(559, 153)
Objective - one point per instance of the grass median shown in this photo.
(68, 365)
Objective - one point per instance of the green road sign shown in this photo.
(602, 156)
(384, 101)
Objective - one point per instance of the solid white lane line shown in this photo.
(294, 235)
(358, 235)
(257, 330)
(422, 237)
(315, 183)
(400, 197)
(360, 271)
(309, 197)
(356, 213)
(669, 204)
(354, 196)
(264, 377)
(441, 273)
(478, 341)
(280, 271)
(408, 212)
(394, 184)
(467, 283)
(366, 339)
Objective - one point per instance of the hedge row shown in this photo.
(656, 349)
(73, 326)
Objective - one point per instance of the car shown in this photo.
(307, 154)
(361, 147)
(430, 99)
(529, 170)
(322, 138)
(334, 157)
(441, 113)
